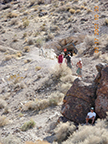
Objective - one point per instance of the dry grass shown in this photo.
(26, 23)
(11, 139)
(89, 41)
(63, 88)
(26, 49)
(19, 54)
(30, 42)
(12, 15)
(106, 21)
(53, 100)
(3, 121)
(104, 58)
(28, 125)
(38, 142)
(97, 134)
(3, 103)
(63, 130)
(78, 11)
(72, 11)
(37, 68)
(8, 57)
(89, 11)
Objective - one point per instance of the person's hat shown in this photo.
(62, 53)
(69, 53)
(92, 108)
(79, 59)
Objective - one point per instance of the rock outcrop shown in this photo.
(101, 103)
(78, 101)
(81, 96)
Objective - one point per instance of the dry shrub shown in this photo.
(26, 49)
(2, 103)
(30, 42)
(14, 22)
(27, 61)
(97, 134)
(3, 121)
(89, 11)
(83, 7)
(104, 58)
(78, 11)
(61, 72)
(28, 125)
(11, 139)
(38, 68)
(64, 130)
(72, 11)
(19, 54)
(53, 100)
(26, 23)
(2, 49)
(64, 88)
(68, 79)
(12, 15)
(97, 55)
(106, 22)
(38, 142)
(8, 57)
(89, 41)
(54, 28)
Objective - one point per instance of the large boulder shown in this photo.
(101, 103)
(78, 100)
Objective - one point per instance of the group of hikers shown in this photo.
(90, 118)
(68, 61)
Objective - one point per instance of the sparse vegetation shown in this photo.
(26, 23)
(30, 42)
(28, 125)
(72, 11)
(3, 121)
(12, 15)
(26, 49)
(3, 103)
(38, 68)
(106, 22)
(8, 57)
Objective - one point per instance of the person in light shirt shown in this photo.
(91, 116)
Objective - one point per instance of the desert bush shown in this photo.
(32, 2)
(27, 61)
(54, 28)
(89, 41)
(89, 10)
(106, 21)
(97, 55)
(19, 54)
(63, 88)
(40, 2)
(3, 121)
(28, 125)
(53, 100)
(3, 103)
(83, 7)
(11, 139)
(104, 58)
(78, 11)
(60, 72)
(68, 79)
(64, 130)
(38, 68)
(14, 22)
(38, 142)
(90, 134)
(39, 42)
(26, 23)
(72, 11)
(8, 57)
(12, 15)
(26, 49)
(30, 42)
(24, 35)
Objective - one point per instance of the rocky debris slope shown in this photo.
(81, 96)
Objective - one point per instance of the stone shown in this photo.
(78, 100)
(101, 103)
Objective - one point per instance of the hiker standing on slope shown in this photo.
(60, 58)
(79, 68)
(68, 60)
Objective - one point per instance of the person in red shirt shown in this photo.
(60, 58)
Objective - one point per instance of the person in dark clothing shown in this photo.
(68, 60)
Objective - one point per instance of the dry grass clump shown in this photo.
(106, 22)
(11, 139)
(61, 72)
(97, 134)
(27, 61)
(28, 125)
(8, 57)
(26, 23)
(97, 55)
(78, 11)
(89, 11)
(83, 7)
(38, 142)
(40, 2)
(12, 15)
(63, 88)
(39, 42)
(89, 41)
(37, 105)
(68, 79)
(14, 22)
(24, 35)
(26, 49)
(3, 103)
(104, 58)
(30, 42)
(38, 68)
(54, 28)
(3, 121)
(19, 54)
(64, 130)
(72, 11)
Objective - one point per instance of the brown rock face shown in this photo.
(101, 103)
(81, 97)
(78, 101)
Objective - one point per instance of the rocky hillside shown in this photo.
(32, 85)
